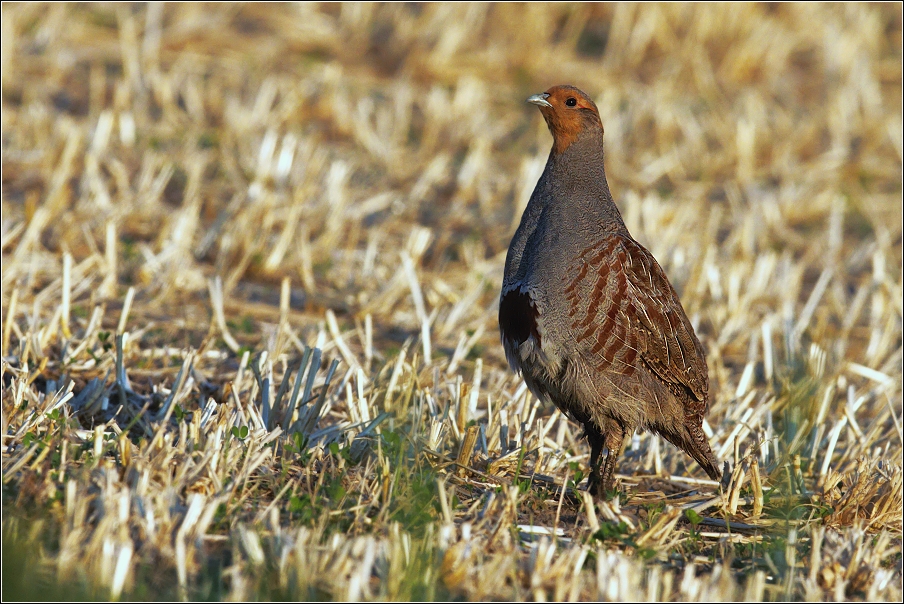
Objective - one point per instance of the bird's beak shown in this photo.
(539, 100)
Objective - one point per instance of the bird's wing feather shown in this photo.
(624, 311)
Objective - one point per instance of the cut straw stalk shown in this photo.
(772, 254)
(8, 324)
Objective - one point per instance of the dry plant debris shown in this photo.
(250, 259)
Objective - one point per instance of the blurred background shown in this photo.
(373, 161)
(315, 141)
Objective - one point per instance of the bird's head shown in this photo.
(569, 112)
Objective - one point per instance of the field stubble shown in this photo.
(251, 259)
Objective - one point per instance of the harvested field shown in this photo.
(251, 258)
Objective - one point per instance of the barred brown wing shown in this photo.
(624, 313)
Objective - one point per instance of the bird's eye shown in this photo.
(571, 102)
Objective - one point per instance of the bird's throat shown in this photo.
(578, 186)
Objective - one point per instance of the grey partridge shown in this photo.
(587, 315)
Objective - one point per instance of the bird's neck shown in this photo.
(578, 178)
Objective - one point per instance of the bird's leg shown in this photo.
(615, 435)
(596, 439)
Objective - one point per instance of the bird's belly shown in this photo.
(633, 400)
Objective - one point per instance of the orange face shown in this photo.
(568, 112)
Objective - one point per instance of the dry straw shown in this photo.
(251, 257)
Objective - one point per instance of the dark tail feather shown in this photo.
(693, 441)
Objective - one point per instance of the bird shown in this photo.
(588, 317)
